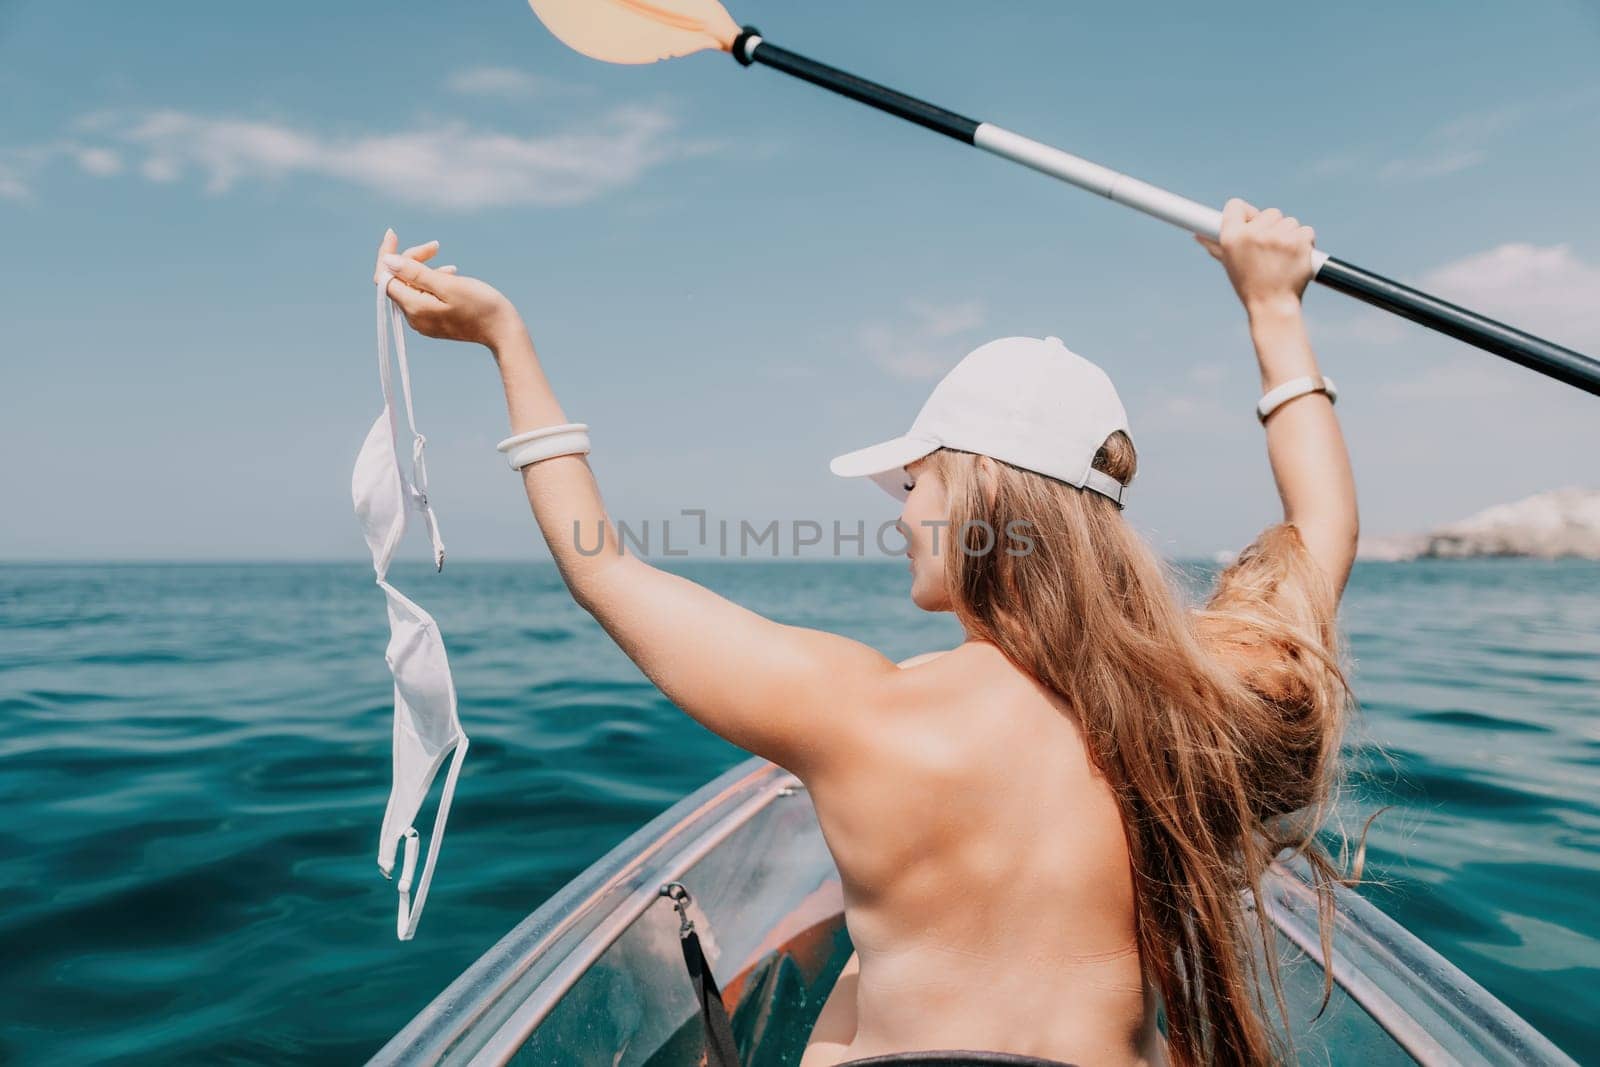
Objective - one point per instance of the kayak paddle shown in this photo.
(644, 31)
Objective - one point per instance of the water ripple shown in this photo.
(189, 857)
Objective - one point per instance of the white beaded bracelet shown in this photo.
(1277, 396)
(567, 439)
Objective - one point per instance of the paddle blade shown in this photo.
(637, 31)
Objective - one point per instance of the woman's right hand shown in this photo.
(1267, 256)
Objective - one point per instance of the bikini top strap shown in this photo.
(393, 328)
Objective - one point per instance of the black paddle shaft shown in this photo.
(1535, 353)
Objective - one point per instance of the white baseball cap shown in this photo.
(1032, 403)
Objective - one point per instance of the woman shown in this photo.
(1043, 833)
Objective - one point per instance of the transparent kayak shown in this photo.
(597, 976)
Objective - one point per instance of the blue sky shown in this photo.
(733, 276)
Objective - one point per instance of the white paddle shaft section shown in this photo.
(1111, 184)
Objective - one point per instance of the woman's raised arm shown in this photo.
(1269, 261)
(787, 693)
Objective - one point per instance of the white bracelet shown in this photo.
(533, 435)
(1277, 396)
(567, 439)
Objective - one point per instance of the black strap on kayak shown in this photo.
(720, 1050)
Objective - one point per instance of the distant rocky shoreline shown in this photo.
(1560, 524)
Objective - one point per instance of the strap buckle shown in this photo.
(675, 892)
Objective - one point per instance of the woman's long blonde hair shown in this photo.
(1218, 729)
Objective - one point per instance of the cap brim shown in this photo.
(884, 462)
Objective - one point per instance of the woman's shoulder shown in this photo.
(924, 657)
(972, 668)
(972, 687)
(972, 652)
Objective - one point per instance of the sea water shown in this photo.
(194, 761)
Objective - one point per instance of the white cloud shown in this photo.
(1438, 429)
(507, 82)
(101, 162)
(1200, 403)
(937, 322)
(1431, 165)
(161, 169)
(19, 166)
(1455, 146)
(1368, 325)
(1462, 377)
(449, 165)
(1334, 166)
(12, 185)
(1207, 396)
(1458, 145)
(1440, 384)
(1546, 290)
(1463, 142)
(922, 344)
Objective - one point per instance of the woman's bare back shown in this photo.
(986, 878)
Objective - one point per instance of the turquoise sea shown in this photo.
(194, 761)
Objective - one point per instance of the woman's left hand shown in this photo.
(440, 303)
(1268, 256)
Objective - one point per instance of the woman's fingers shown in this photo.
(1241, 209)
(1209, 245)
(1236, 212)
(415, 274)
(423, 252)
(451, 269)
(412, 301)
(416, 254)
(386, 247)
